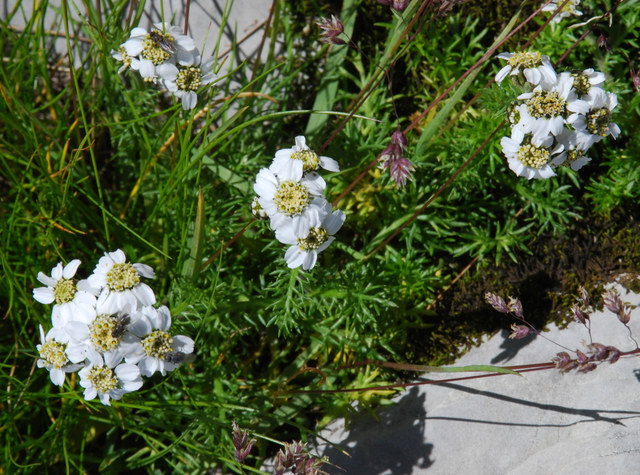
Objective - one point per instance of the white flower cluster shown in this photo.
(107, 328)
(291, 194)
(569, 9)
(561, 117)
(166, 57)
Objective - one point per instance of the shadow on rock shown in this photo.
(393, 444)
(510, 347)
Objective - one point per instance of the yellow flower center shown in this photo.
(122, 276)
(189, 78)
(581, 84)
(309, 159)
(103, 379)
(315, 239)
(157, 47)
(100, 333)
(291, 198)
(546, 104)
(532, 156)
(526, 59)
(157, 344)
(53, 353)
(64, 291)
(598, 121)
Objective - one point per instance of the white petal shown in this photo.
(43, 295)
(334, 222)
(503, 72)
(183, 344)
(57, 376)
(127, 372)
(70, 269)
(310, 260)
(329, 164)
(56, 272)
(301, 142)
(144, 294)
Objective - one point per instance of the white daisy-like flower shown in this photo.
(569, 9)
(536, 67)
(305, 247)
(584, 81)
(184, 80)
(73, 301)
(105, 340)
(300, 159)
(162, 44)
(529, 155)
(575, 156)
(109, 383)
(257, 210)
(544, 110)
(157, 349)
(286, 199)
(126, 60)
(592, 118)
(53, 356)
(120, 284)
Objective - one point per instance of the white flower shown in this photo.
(535, 67)
(567, 10)
(184, 80)
(119, 281)
(544, 110)
(156, 348)
(106, 382)
(575, 156)
(585, 80)
(592, 118)
(286, 199)
(126, 60)
(162, 44)
(300, 159)
(104, 340)
(257, 210)
(53, 357)
(305, 247)
(530, 156)
(72, 301)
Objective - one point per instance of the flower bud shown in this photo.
(586, 368)
(515, 306)
(331, 29)
(578, 315)
(612, 302)
(518, 332)
(584, 295)
(496, 302)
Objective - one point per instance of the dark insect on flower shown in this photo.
(178, 357)
(163, 42)
(121, 326)
(331, 29)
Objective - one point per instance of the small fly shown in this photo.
(121, 326)
(178, 357)
(162, 42)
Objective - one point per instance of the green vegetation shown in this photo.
(92, 161)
